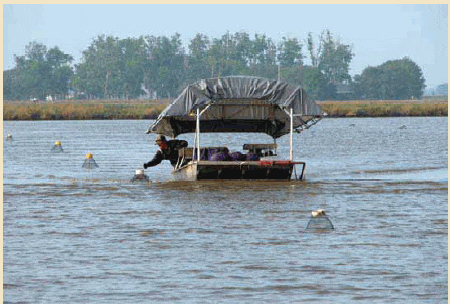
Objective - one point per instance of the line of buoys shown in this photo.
(89, 162)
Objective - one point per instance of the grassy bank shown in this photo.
(138, 109)
(84, 110)
(391, 108)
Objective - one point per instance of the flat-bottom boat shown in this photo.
(237, 104)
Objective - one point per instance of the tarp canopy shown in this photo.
(238, 104)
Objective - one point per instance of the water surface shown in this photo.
(91, 236)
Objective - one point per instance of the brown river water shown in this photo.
(72, 235)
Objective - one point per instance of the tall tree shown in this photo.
(197, 59)
(99, 71)
(290, 52)
(335, 59)
(39, 73)
(132, 66)
(165, 72)
(314, 82)
(394, 79)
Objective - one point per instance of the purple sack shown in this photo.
(220, 156)
(252, 156)
(236, 156)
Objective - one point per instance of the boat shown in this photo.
(238, 104)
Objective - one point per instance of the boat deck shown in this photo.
(262, 169)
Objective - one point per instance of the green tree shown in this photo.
(98, 74)
(334, 59)
(313, 52)
(394, 79)
(198, 64)
(38, 73)
(290, 52)
(165, 70)
(406, 78)
(132, 66)
(314, 82)
(60, 71)
(262, 51)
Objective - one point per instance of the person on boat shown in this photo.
(167, 150)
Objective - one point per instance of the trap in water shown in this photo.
(89, 162)
(57, 147)
(319, 221)
(140, 176)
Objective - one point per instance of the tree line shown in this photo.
(160, 67)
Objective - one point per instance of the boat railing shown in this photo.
(184, 156)
(261, 149)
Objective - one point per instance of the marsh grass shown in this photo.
(138, 109)
(395, 108)
(81, 111)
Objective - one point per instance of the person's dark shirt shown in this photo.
(170, 153)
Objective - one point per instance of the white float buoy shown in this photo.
(9, 137)
(318, 212)
(319, 221)
(89, 162)
(140, 176)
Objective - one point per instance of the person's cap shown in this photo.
(159, 138)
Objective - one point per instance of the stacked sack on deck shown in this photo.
(223, 154)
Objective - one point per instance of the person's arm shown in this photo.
(157, 159)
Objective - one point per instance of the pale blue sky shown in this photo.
(377, 32)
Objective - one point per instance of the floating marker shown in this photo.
(89, 162)
(140, 176)
(57, 147)
(318, 212)
(319, 221)
(9, 137)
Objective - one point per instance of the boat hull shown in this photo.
(248, 170)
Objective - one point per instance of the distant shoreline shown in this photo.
(150, 109)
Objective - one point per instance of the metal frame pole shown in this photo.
(291, 114)
(198, 134)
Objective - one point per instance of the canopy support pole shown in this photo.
(198, 134)
(291, 114)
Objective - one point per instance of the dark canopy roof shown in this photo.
(238, 104)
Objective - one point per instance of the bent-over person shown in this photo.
(168, 149)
